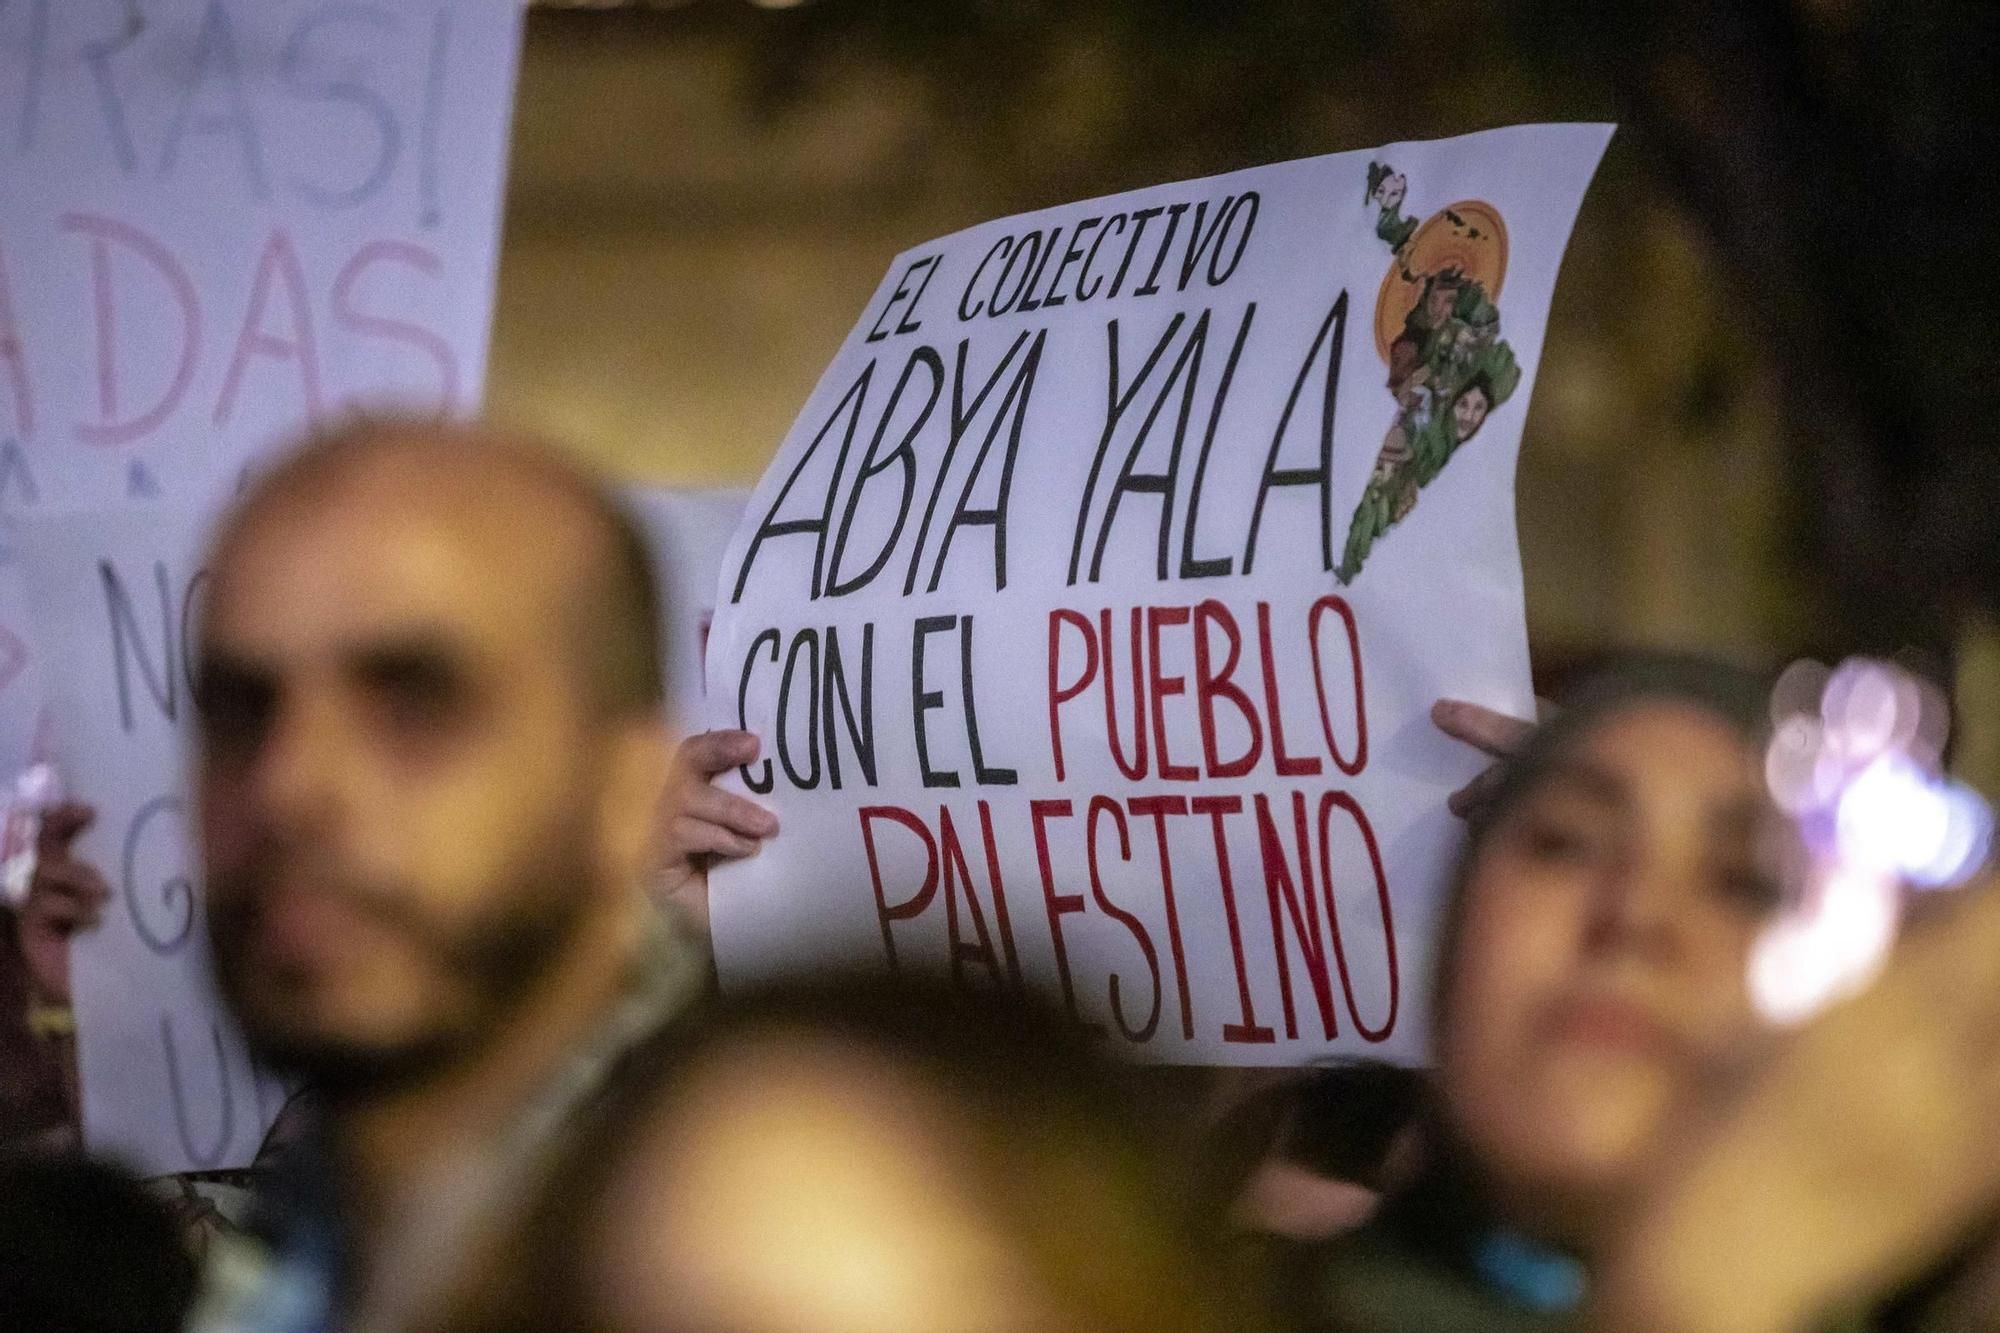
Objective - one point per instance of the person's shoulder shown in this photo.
(1374, 1279)
(1397, 1274)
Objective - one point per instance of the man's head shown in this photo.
(430, 752)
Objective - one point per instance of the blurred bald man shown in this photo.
(429, 771)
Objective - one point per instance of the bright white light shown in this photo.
(1829, 949)
(1890, 817)
(1895, 819)
(1857, 769)
(1963, 843)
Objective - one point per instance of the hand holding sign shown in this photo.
(67, 895)
(1492, 733)
(704, 821)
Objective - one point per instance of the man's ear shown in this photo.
(633, 797)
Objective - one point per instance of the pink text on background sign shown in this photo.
(284, 329)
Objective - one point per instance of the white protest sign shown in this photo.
(224, 219)
(1093, 610)
(688, 531)
(168, 1083)
(23, 728)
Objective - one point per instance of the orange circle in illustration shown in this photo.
(1468, 236)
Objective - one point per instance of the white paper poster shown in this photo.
(168, 1084)
(224, 219)
(688, 530)
(1093, 609)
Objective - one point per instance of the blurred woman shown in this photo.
(1592, 996)
(858, 1159)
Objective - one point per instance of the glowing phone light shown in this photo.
(1854, 760)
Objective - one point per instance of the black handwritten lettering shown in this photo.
(905, 455)
(962, 419)
(848, 408)
(186, 1100)
(805, 646)
(128, 646)
(763, 782)
(860, 732)
(1130, 480)
(1116, 403)
(981, 773)
(1193, 566)
(175, 892)
(923, 701)
(1013, 412)
(1321, 474)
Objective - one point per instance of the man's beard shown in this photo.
(496, 959)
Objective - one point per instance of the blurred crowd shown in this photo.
(456, 879)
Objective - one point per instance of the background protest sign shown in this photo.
(22, 724)
(168, 1084)
(688, 531)
(224, 219)
(1093, 609)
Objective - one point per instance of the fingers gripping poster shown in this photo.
(1092, 612)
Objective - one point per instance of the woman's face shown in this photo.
(1599, 986)
(1469, 412)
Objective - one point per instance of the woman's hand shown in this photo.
(65, 896)
(1865, 1153)
(704, 822)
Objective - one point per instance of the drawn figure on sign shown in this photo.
(1437, 327)
(1386, 188)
